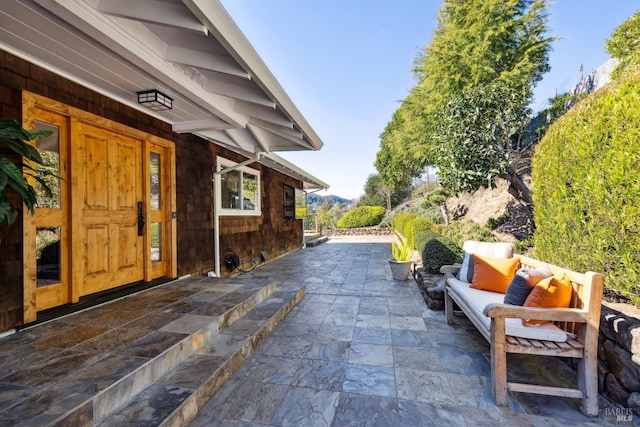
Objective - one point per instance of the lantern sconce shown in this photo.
(155, 100)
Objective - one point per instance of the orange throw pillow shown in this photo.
(493, 274)
(554, 291)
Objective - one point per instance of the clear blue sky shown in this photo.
(347, 63)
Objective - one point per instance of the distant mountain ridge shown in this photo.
(314, 199)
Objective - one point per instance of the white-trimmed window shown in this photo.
(239, 192)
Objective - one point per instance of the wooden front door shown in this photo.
(107, 209)
(110, 220)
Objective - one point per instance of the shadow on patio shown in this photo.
(357, 349)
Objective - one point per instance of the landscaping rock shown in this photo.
(634, 403)
(621, 328)
(626, 370)
(431, 287)
(615, 389)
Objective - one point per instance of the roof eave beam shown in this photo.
(166, 14)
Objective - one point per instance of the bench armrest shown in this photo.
(450, 270)
(555, 314)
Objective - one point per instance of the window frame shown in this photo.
(223, 163)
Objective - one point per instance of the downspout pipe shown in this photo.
(216, 206)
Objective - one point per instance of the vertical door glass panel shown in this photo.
(156, 242)
(249, 192)
(155, 184)
(49, 148)
(230, 190)
(48, 255)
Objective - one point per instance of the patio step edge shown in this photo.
(118, 394)
(177, 403)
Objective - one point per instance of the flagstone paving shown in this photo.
(358, 350)
(363, 350)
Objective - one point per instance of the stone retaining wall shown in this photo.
(619, 358)
(362, 231)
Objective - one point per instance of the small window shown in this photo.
(239, 192)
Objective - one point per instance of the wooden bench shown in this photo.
(581, 321)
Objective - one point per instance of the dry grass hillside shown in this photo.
(484, 204)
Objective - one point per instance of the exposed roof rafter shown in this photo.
(190, 50)
(167, 14)
(208, 61)
(200, 125)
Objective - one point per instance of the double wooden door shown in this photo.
(109, 221)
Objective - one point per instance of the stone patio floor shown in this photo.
(364, 350)
(359, 350)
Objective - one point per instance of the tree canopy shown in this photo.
(624, 45)
(492, 48)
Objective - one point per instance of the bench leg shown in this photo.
(498, 362)
(448, 306)
(588, 383)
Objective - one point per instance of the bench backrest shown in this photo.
(587, 293)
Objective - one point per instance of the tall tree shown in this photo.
(397, 166)
(496, 47)
(624, 45)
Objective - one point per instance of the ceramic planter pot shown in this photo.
(400, 269)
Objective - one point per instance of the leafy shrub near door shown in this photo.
(18, 163)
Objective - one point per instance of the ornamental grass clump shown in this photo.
(400, 248)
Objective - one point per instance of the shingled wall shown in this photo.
(195, 164)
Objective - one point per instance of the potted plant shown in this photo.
(401, 258)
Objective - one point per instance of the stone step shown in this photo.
(316, 241)
(177, 396)
(108, 384)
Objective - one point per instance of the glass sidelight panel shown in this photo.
(48, 256)
(155, 181)
(156, 242)
(50, 152)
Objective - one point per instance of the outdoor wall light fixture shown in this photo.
(155, 100)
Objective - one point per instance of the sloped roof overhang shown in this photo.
(191, 50)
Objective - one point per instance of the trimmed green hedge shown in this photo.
(586, 179)
(415, 226)
(363, 216)
(400, 220)
(440, 251)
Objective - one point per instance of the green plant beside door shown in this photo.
(17, 158)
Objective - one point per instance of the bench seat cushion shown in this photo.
(478, 299)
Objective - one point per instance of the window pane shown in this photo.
(230, 190)
(154, 181)
(156, 242)
(250, 192)
(48, 256)
(50, 152)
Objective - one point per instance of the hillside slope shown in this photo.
(484, 204)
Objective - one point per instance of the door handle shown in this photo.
(141, 220)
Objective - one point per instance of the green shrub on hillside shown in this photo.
(422, 237)
(363, 216)
(440, 251)
(413, 227)
(460, 231)
(401, 220)
(587, 188)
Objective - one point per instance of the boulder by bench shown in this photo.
(570, 332)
